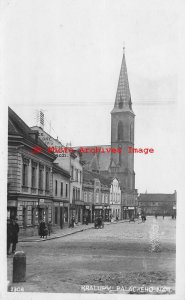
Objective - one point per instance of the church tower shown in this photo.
(122, 133)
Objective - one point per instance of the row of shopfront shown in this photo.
(31, 211)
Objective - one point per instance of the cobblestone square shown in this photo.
(121, 258)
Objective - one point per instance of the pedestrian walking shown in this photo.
(15, 231)
(72, 221)
(42, 228)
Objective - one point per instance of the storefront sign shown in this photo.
(41, 200)
(130, 207)
(87, 207)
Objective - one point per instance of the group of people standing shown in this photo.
(43, 229)
(12, 234)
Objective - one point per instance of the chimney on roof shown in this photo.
(40, 118)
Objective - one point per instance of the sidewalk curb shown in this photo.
(55, 237)
(64, 235)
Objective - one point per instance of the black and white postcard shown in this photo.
(91, 102)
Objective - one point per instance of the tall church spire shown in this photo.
(123, 97)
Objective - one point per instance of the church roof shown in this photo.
(89, 176)
(123, 96)
(97, 161)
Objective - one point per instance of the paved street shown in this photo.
(123, 254)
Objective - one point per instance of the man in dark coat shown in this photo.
(15, 231)
(72, 221)
(42, 228)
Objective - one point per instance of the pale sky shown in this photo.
(65, 57)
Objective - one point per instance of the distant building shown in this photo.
(160, 204)
(115, 199)
(96, 196)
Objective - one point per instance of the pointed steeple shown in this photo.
(123, 98)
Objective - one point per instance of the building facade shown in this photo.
(76, 199)
(115, 199)
(30, 183)
(61, 199)
(96, 196)
(69, 161)
(158, 204)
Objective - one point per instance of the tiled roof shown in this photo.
(58, 169)
(102, 159)
(156, 197)
(89, 176)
